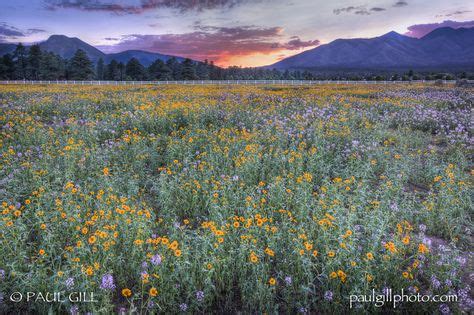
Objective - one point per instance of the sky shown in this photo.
(228, 32)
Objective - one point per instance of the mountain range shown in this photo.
(67, 46)
(443, 48)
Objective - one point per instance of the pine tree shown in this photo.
(134, 70)
(51, 67)
(158, 70)
(33, 66)
(100, 69)
(19, 56)
(112, 72)
(202, 70)
(188, 71)
(175, 67)
(8, 67)
(121, 71)
(3, 70)
(80, 67)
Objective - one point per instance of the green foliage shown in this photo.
(249, 199)
(80, 67)
(134, 70)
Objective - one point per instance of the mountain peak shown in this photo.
(58, 36)
(392, 35)
(67, 46)
(446, 49)
(64, 38)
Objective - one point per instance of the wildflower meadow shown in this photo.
(226, 199)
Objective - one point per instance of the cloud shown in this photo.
(420, 30)
(358, 10)
(120, 7)
(400, 4)
(377, 9)
(345, 10)
(296, 43)
(219, 44)
(8, 32)
(458, 12)
(35, 31)
(362, 12)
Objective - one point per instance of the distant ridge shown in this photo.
(442, 48)
(67, 46)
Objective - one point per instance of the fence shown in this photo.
(221, 82)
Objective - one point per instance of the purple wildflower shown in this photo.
(444, 309)
(107, 282)
(69, 283)
(156, 260)
(200, 296)
(74, 310)
(288, 280)
(328, 295)
(435, 282)
(183, 307)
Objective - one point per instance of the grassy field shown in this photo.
(224, 199)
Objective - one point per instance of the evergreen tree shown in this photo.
(100, 69)
(33, 66)
(111, 71)
(188, 71)
(8, 67)
(121, 71)
(80, 67)
(51, 67)
(202, 70)
(134, 70)
(175, 68)
(215, 73)
(3, 70)
(158, 70)
(19, 56)
(287, 75)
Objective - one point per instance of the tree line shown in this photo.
(35, 64)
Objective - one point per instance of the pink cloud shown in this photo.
(219, 44)
(420, 30)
